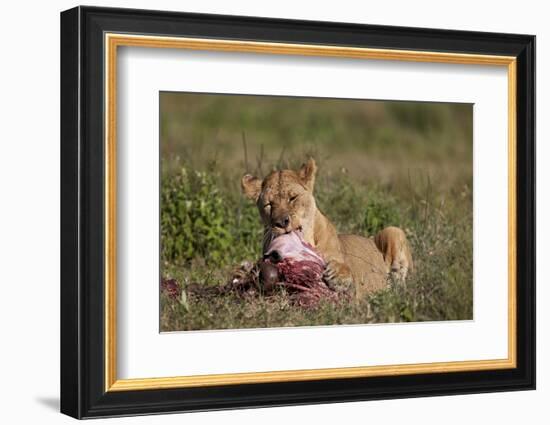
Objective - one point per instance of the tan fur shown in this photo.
(286, 203)
(394, 246)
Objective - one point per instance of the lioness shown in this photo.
(286, 203)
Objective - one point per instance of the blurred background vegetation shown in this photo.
(380, 163)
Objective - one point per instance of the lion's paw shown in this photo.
(337, 276)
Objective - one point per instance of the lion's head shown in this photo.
(285, 200)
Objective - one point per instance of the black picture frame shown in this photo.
(83, 392)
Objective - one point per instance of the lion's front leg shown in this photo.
(337, 276)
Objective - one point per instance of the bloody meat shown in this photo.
(299, 269)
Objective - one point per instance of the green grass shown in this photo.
(394, 163)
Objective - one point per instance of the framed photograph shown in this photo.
(260, 212)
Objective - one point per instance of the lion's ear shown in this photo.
(251, 186)
(307, 173)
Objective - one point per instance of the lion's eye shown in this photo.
(293, 198)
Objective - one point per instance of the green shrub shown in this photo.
(356, 208)
(199, 221)
(380, 212)
(341, 201)
(246, 231)
(193, 218)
